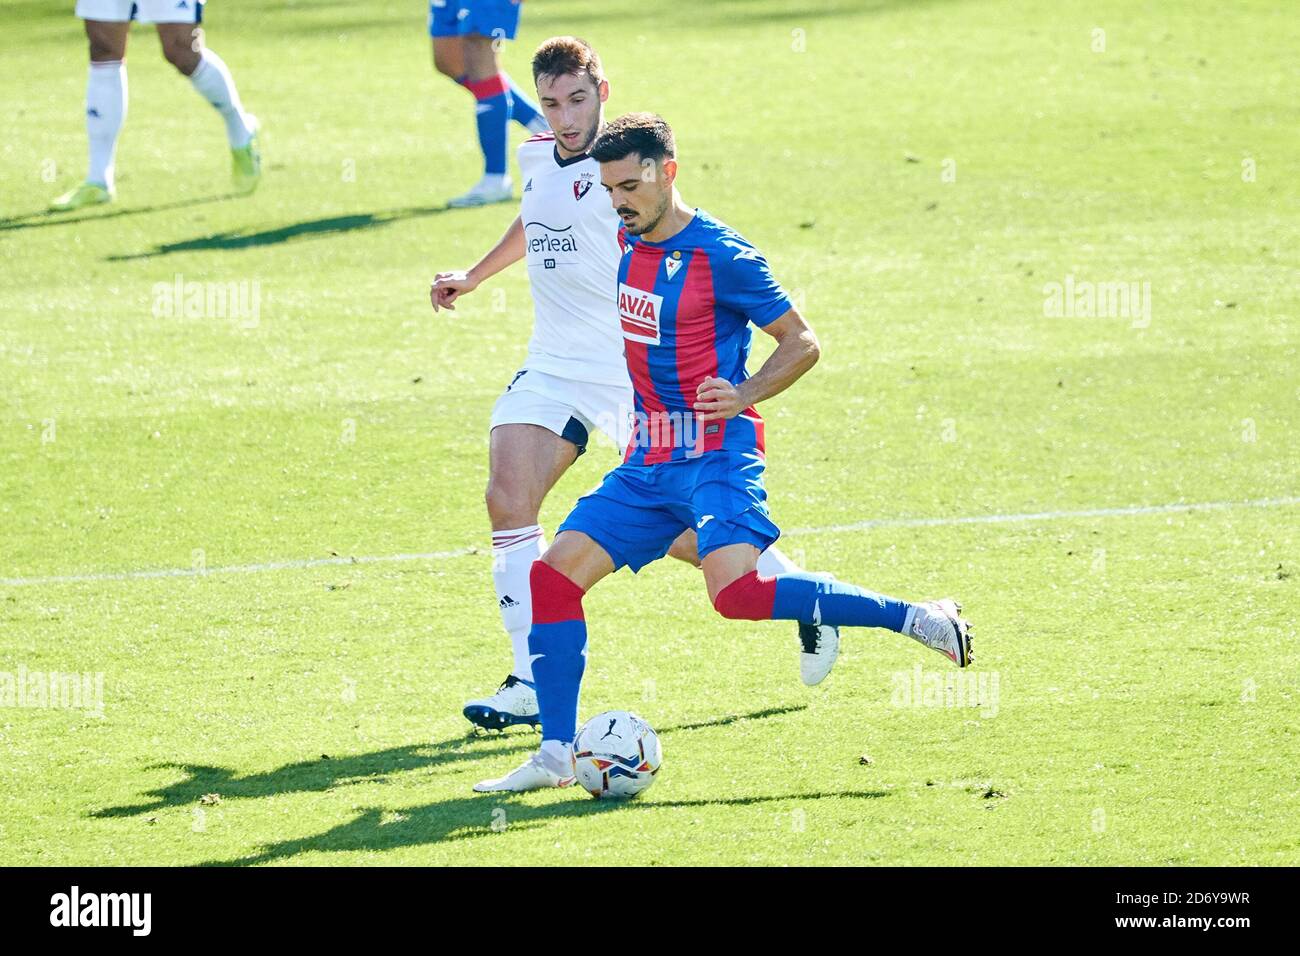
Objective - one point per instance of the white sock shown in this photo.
(215, 84)
(559, 750)
(105, 111)
(513, 554)
(772, 562)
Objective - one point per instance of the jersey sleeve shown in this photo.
(746, 283)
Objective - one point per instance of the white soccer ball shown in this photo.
(617, 755)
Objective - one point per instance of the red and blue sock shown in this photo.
(522, 110)
(811, 600)
(558, 645)
(492, 113)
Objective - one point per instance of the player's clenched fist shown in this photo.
(718, 398)
(448, 287)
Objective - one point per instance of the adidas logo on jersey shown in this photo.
(507, 602)
(529, 187)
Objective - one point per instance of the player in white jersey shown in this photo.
(574, 378)
(177, 21)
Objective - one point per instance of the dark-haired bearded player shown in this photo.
(689, 288)
(574, 379)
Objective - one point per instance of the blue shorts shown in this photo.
(639, 510)
(490, 18)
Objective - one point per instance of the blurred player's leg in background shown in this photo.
(524, 463)
(107, 25)
(492, 116)
(523, 110)
(183, 47)
(105, 112)
(450, 62)
(483, 25)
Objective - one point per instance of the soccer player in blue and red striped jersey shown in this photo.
(689, 288)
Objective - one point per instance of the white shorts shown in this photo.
(572, 410)
(144, 11)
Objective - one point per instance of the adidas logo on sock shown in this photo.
(507, 601)
(529, 187)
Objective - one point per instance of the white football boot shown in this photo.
(513, 703)
(940, 626)
(539, 772)
(819, 646)
(490, 189)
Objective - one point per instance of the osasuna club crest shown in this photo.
(582, 186)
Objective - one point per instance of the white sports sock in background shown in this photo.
(105, 111)
(772, 562)
(513, 554)
(215, 84)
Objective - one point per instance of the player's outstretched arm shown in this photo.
(797, 350)
(449, 286)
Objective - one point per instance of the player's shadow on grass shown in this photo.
(45, 218)
(328, 226)
(319, 775)
(470, 818)
(327, 772)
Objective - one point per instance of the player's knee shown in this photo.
(555, 596)
(181, 55)
(107, 41)
(101, 51)
(814, 347)
(507, 507)
(447, 68)
(748, 598)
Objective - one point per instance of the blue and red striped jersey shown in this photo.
(685, 305)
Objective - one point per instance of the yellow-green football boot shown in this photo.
(87, 194)
(246, 162)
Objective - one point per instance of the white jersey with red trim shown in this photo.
(571, 237)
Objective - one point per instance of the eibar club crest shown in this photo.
(672, 264)
(582, 185)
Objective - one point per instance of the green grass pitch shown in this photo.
(924, 175)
